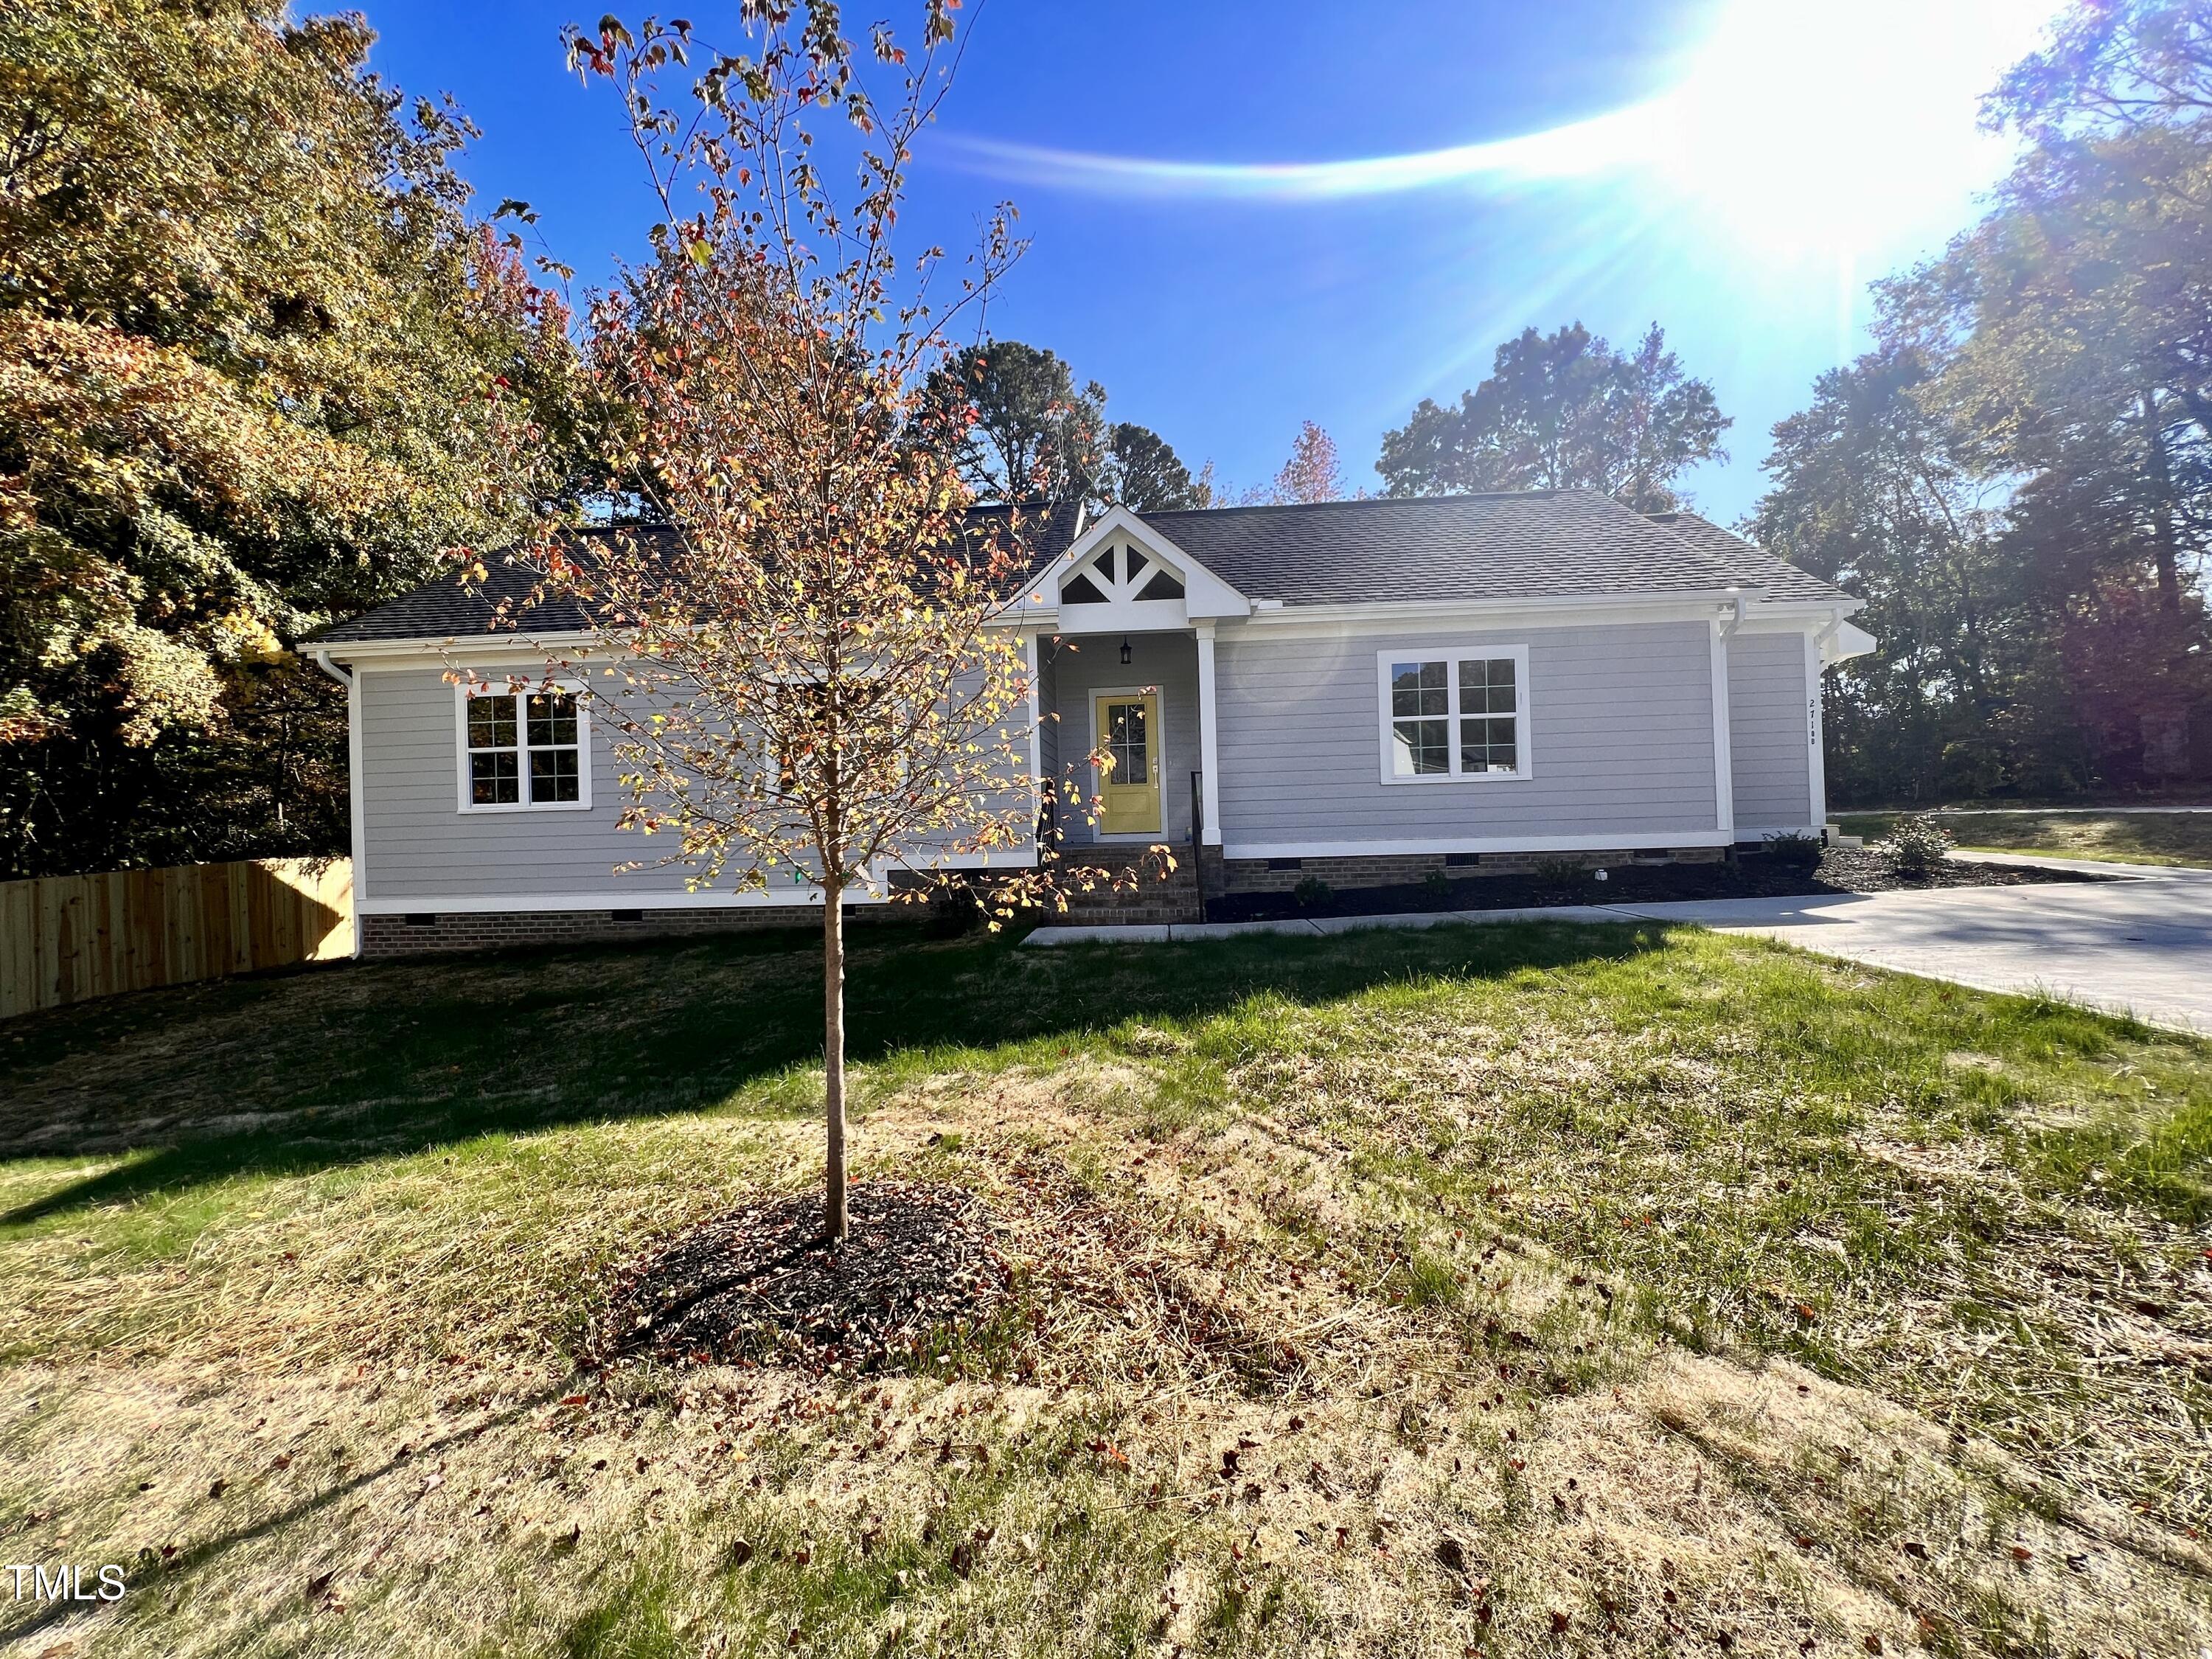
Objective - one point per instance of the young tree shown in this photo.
(1312, 473)
(803, 652)
(1564, 411)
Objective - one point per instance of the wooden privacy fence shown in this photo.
(64, 939)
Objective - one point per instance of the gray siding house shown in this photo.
(1364, 691)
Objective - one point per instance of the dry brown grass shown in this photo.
(1233, 1420)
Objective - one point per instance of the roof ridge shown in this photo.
(1371, 500)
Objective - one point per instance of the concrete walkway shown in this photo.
(2142, 945)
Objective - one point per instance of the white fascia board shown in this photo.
(465, 647)
(572, 646)
(1848, 642)
(1428, 616)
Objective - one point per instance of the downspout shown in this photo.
(351, 681)
(1816, 693)
(1742, 601)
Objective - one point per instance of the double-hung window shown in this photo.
(523, 749)
(1454, 714)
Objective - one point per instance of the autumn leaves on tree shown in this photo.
(214, 439)
(800, 640)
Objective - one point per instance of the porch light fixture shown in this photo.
(1124, 652)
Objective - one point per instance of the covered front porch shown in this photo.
(1146, 699)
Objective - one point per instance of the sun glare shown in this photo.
(1823, 129)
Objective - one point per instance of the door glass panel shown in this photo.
(1126, 742)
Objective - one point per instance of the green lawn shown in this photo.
(2183, 838)
(1539, 1290)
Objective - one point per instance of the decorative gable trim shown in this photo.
(1122, 575)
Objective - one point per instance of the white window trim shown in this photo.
(1160, 702)
(462, 781)
(1524, 746)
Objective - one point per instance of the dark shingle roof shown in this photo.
(1542, 543)
(453, 608)
(1747, 562)
(1559, 543)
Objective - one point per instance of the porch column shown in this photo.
(1723, 764)
(1029, 637)
(1209, 751)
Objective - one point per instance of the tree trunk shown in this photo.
(833, 1054)
(2163, 550)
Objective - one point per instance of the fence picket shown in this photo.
(65, 939)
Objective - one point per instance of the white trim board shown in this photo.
(1524, 746)
(1723, 741)
(1816, 758)
(1413, 616)
(1209, 745)
(357, 807)
(1128, 837)
(464, 694)
(457, 905)
(1627, 840)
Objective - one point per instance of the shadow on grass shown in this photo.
(54, 1613)
(288, 1076)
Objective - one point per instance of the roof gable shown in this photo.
(1122, 573)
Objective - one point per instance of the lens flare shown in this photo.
(1806, 126)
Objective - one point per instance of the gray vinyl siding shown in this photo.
(1772, 761)
(1620, 740)
(1047, 703)
(421, 845)
(1083, 665)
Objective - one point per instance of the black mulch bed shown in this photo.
(1749, 875)
(920, 1264)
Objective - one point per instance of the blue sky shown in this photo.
(1736, 170)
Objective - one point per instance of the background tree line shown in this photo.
(2017, 477)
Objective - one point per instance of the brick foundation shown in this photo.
(1175, 899)
(1403, 869)
(446, 932)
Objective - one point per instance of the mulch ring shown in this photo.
(921, 1263)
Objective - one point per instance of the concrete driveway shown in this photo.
(2142, 944)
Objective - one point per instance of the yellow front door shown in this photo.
(1129, 727)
